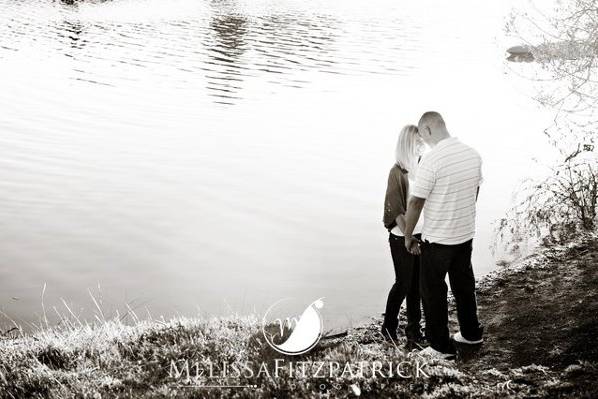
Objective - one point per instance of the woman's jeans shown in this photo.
(406, 286)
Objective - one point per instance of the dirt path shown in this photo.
(544, 313)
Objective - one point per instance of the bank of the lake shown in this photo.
(541, 341)
(226, 154)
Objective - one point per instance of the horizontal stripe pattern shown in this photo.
(418, 227)
(448, 178)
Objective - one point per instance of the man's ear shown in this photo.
(429, 130)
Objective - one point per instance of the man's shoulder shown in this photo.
(465, 145)
(473, 152)
(461, 147)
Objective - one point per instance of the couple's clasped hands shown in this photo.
(412, 245)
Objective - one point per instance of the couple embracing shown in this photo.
(426, 246)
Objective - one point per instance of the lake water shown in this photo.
(190, 156)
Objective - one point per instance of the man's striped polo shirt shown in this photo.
(448, 178)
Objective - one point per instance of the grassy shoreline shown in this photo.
(541, 342)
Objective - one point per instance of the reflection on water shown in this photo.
(226, 54)
(211, 153)
(74, 32)
(219, 38)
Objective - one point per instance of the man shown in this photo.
(446, 187)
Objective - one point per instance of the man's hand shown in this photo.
(412, 245)
(415, 206)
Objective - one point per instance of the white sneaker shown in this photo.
(431, 352)
(459, 338)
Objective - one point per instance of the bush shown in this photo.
(555, 208)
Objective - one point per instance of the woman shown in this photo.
(406, 265)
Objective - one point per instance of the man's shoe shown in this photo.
(462, 340)
(433, 353)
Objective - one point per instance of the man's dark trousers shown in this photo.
(436, 261)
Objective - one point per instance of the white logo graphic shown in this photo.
(293, 336)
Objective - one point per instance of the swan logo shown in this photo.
(292, 335)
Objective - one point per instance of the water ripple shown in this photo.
(218, 42)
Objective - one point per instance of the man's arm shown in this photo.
(425, 180)
(400, 221)
(414, 210)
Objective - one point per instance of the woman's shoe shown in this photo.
(416, 340)
(389, 334)
(415, 335)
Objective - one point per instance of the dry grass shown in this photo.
(109, 358)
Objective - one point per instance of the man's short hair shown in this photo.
(432, 118)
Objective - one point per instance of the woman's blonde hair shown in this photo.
(407, 152)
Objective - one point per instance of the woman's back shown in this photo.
(395, 204)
